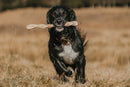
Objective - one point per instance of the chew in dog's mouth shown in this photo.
(44, 26)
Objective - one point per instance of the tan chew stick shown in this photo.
(44, 26)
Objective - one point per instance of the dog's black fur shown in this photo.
(58, 16)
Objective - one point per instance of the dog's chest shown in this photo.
(68, 54)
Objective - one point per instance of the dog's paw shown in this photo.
(69, 72)
(83, 81)
(65, 79)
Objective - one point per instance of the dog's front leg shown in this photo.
(80, 74)
(61, 68)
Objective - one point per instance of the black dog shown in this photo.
(65, 45)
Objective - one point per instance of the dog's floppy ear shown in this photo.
(71, 15)
(49, 16)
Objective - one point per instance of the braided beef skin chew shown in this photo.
(71, 23)
(44, 26)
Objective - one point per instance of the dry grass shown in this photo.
(24, 60)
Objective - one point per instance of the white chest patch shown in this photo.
(68, 54)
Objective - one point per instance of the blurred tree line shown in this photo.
(11, 4)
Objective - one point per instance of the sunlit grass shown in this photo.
(24, 60)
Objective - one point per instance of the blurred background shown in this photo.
(12, 4)
(24, 60)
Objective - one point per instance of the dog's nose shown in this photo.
(59, 21)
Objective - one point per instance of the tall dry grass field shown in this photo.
(24, 60)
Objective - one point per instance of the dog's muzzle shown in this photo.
(59, 22)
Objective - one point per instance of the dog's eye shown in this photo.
(53, 15)
(64, 14)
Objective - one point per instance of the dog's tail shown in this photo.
(85, 45)
(85, 42)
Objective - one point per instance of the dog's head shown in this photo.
(59, 15)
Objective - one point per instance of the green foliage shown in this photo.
(34, 3)
(7, 4)
(11, 4)
(71, 3)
